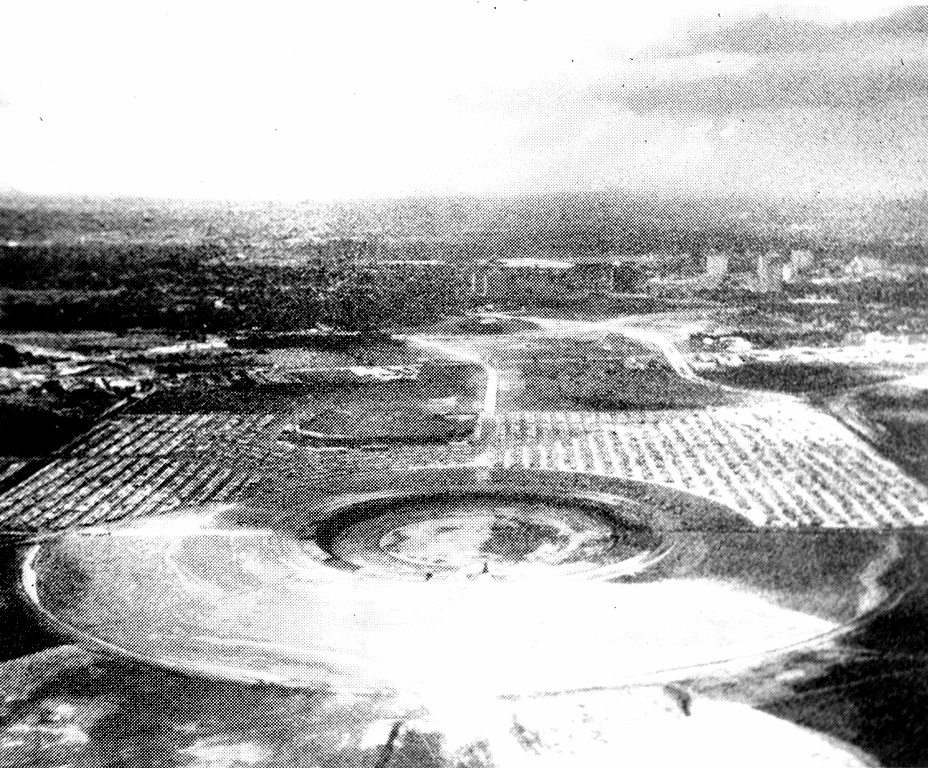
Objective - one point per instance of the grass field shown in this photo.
(589, 371)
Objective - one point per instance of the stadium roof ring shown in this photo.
(324, 590)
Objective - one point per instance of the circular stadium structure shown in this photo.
(507, 582)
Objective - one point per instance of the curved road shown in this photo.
(675, 359)
(488, 406)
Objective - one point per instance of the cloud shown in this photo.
(768, 63)
(730, 130)
(907, 22)
(766, 35)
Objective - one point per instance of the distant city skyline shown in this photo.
(326, 101)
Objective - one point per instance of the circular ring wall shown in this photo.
(508, 582)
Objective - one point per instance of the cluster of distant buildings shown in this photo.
(767, 272)
(501, 278)
(774, 269)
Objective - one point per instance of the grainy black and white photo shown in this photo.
(465, 384)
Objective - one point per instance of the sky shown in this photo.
(329, 100)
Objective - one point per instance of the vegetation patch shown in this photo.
(901, 414)
(609, 373)
(794, 377)
(240, 391)
(35, 424)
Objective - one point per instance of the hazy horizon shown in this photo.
(615, 217)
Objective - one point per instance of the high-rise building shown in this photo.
(769, 272)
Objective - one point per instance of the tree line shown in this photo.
(201, 289)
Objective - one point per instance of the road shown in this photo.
(675, 359)
(490, 398)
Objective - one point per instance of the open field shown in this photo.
(581, 368)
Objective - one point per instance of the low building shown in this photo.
(510, 277)
(717, 263)
(682, 286)
(863, 266)
(871, 266)
(801, 260)
(519, 276)
(593, 273)
(716, 271)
